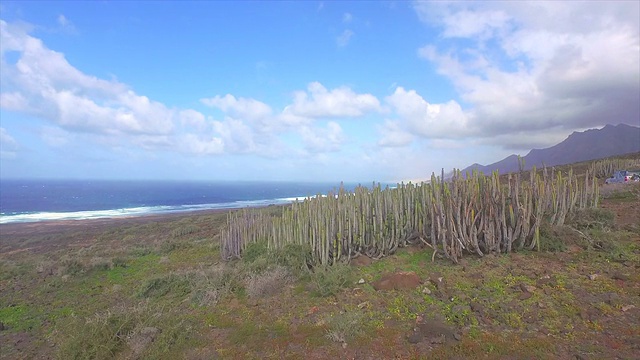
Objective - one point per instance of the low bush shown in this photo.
(72, 266)
(98, 337)
(345, 326)
(328, 281)
(257, 258)
(177, 285)
(592, 218)
(551, 239)
(268, 282)
(184, 230)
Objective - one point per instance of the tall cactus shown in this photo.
(472, 214)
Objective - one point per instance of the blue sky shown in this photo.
(305, 91)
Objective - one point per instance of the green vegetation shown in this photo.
(475, 214)
(159, 290)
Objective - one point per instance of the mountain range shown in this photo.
(591, 144)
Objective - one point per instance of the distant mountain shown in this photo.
(580, 146)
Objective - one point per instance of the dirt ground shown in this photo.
(574, 304)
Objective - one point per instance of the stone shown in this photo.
(593, 276)
(437, 279)
(627, 308)
(363, 305)
(527, 288)
(459, 309)
(140, 341)
(477, 307)
(619, 276)
(545, 280)
(541, 305)
(426, 291)
(414, 338)
(397, 281)
(361, 260)
(611, 298)
(361, 281)
(524, 296)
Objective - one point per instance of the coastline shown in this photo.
(44, 236)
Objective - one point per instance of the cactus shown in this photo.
(472, 214)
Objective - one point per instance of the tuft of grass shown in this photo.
(328, 281)
(267, 283)
(184, 230)
(177, 285)
(19, 317)
(172, 245)
(99, 337)
(120, 332)
(590, 218)
(210, 286)
(72, 266)
(345, 326)
(551, 239)
(257, 258)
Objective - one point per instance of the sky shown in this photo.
(304, 91)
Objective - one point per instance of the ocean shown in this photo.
(44, 200)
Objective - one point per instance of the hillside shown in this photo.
(580, 146)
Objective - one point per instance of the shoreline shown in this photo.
(44, 236)
(114, 220)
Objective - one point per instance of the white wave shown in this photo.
(138, 211)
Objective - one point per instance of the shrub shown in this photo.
(254, 251)
(345, 326)
(72, 266)
(171, 245)
(208, 287)
(184, 230)
(98, 263)
(119, 262)
(614, 245)
(327, 281)
(178, 285)
(292, 256)
(593, 218)
(550, 239)
(267, 283)
(257, 258)
(97, 337)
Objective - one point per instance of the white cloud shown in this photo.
(200, 145)
(320, 140)
(343, 39)
(347, 17)
(318, 102)
(65, 25)
(239, 107)
(393, 135)
(236, 136)
(44, 84)
(539, 67)
(62, 21)
(8, 145)
(13, 101)
(54, 136)
(193, 119)
(421, 118)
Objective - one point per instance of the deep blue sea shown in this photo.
(42, 200)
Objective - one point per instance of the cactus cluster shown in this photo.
(472, 214)
(606, 167)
